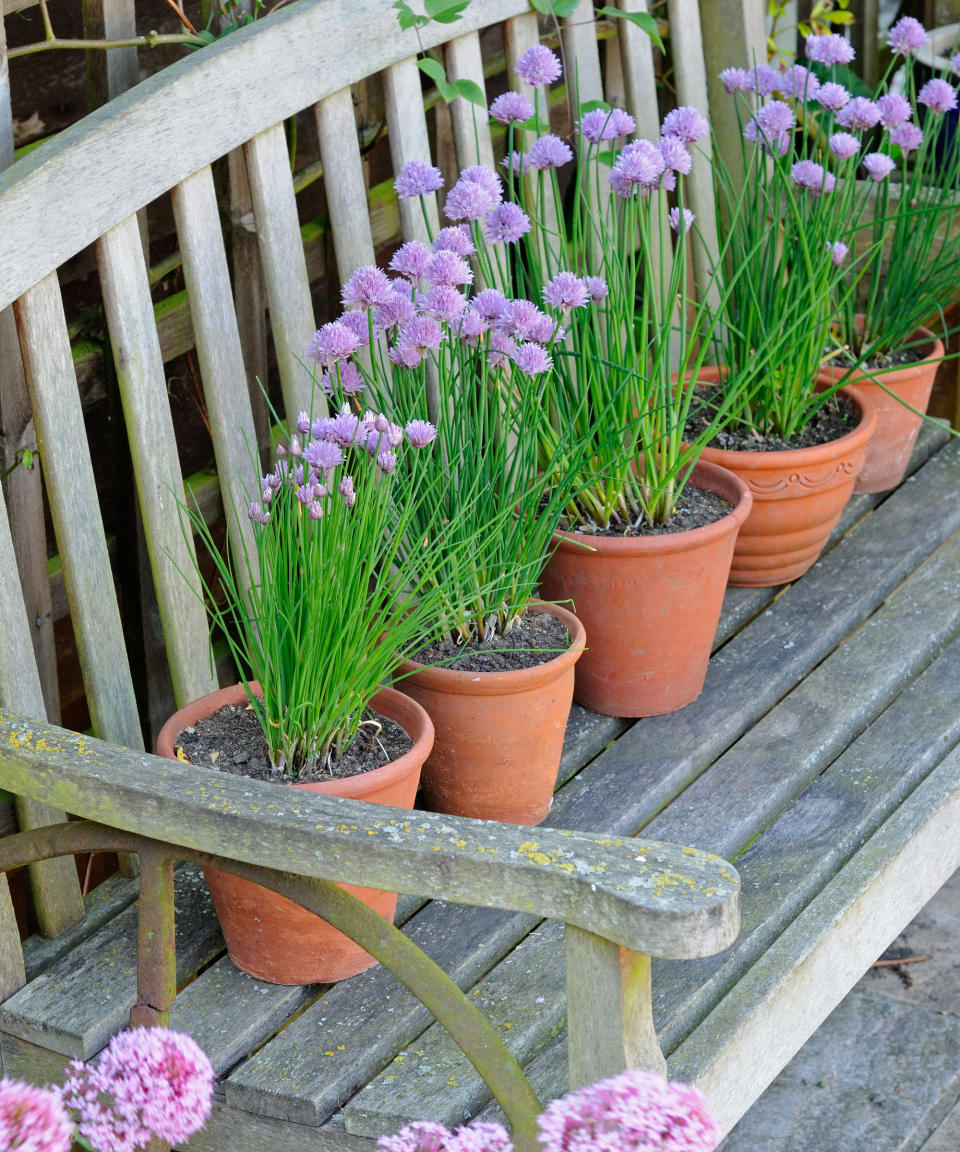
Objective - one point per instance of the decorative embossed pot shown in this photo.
(267, 935)
(798, 496)
(891, 444)
(650, 605)
(499, 735)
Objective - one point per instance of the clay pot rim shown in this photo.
(831, 374)
(392, 703)
(727, 484)
(503, 683)
(793, 458)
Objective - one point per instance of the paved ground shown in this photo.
(882, 1074)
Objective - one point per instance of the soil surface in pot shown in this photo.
(695, 509)
(835, 419)
(895, 359)
(538, 636)
(231, 740)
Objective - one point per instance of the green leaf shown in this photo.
(643, 20)
(448, 92)
(407, 17)
(432, 68)
(559, 8)
(594, 106)
(445, 11)
(470, 91)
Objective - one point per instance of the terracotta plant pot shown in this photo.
(891, 444)
(269, 936)
(650, 605)
(499, 735)
(798, 496)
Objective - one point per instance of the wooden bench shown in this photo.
(820, 755)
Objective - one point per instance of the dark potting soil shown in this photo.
(537, 638)
(695, 509)
(835, 419)
(231, 740)
(896, 359)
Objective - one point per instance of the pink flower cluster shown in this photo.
(149, 1083)
(643, 166)
(33, 1119)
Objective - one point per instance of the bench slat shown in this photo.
(221, 358)
(344, 183)
(153, 448)
(68, 476)
(407, 125)
(471, 125)
(583, 77)
(284, 268)
(636, 55)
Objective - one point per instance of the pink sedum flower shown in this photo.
(33, 1119)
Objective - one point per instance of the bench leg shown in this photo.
(609, 1010)
(156, 944)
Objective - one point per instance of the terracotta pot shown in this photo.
(650, 605)
(891, 444)
(499, 735)
(798, 496)
(269, 936)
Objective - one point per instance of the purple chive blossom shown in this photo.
(907, 137)
(506, 223)
(685, 124)
(470, 327)
(838, 251)
(418, 178)
(305, 493)
(538, 66)
(566, 291)
(771, 127)
(810, 175)
(455, 238)
(469, 200)
(347, 375)
(257, 514)
(33, 1119)
(322, 454)
(443, 303)
(546, 330)
(938, 96)
(549, 152)
(523, 320)
(490, 304)
(829, 49)
(832, 96)
(502, 348)
(366, 288)
(395, 311)
(410, 259)
(517, 162)
(294, 448)
(955, 62)
(597, 287)
(639, 166)
(763, 80)
(676, 158)
(315, 510)
(332, 343)
(345, 488)
(603, 124)
(688, 219)
(843, 145)
(735, 80)
(485, 177)
(358, 323)
(420, 433)
(342, 428)
(906, 36)
(303, 423)
(421, 333)
(387, 461)
(859, 114)
(511, 108)
(445, 267)
(894, 110)
(531, 359)
(878, 166)
(633, 1110)
(799, 82)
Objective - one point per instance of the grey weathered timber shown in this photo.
(583, 55)
(113, 72)
(344, 185)
(636, 55)
(284, 266)
(156, 467)
(409, 141)
(471, 127)
(221, 357)
(68, 476)
(79, 1001)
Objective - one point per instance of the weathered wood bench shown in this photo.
(820, 755)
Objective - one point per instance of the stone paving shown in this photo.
(882, 1074)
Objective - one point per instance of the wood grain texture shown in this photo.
(6, 105)
(68, 476)
(344, 185)
(583, 79)
(471, 125)
(407, 125)
(245, 83)
(113, 72)
(101, 978)
(640, 86)
(221, 358)
(284, 268)
(143, 392)
(230, 1128)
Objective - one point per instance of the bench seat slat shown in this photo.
(153, 448)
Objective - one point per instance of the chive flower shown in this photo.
(506, 223)
(829, 49)
(446, 267)
(532, 359)
(538, 66)
(332, 343)
(676, 158)
(417, 178)
(606, 124)
(674, 217)
(511, 108)
(859, 114)
(843, 145)
(420, 433)
(469, 200)
(878, 166)
(800, 82)
(410, 259)
(734, 80)
(763, 80)
(685, 124)
(366, 288)
(938, 96)
(894, 110)
(443, 302)
(549, 152)
(597, 287)
(813, 177)
(908, 137)
(906, 36)
(565, 291)
(638, 167)
(832, 96)
(455, 238)
(394, 312)
(490, 304)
